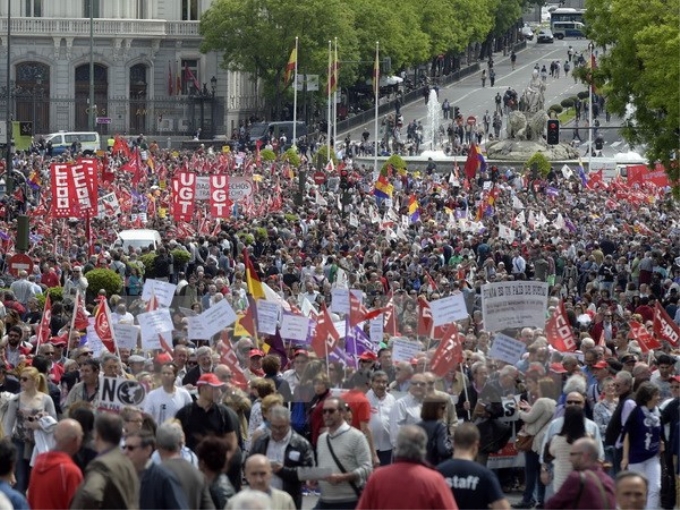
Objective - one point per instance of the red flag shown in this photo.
(80, 321)
(357, 311)
(326, 337)
(102, 325)
(664, 327)
(247, 322)
(390, 318)
(425, 320)
(558, 330)
(120, 147)
(472, 162)
(644, 339)
(188, 75)
(449, 352)
(44, 330)
(228, 358)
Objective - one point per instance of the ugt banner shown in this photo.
(219, 196)
(184, 196)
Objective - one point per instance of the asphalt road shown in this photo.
(474, 100)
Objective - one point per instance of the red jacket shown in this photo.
(597, 485)
(54, 481)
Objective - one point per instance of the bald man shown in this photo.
(55, 477)
(258, 472)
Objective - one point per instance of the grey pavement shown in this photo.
(474, 100)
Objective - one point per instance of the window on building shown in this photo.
(92, 8)
(191, 84)
(143, 9)
(189, 10)
(33, 8)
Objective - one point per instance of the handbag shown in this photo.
(354, 486)
(524, 441)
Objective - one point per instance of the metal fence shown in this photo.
(169, 116)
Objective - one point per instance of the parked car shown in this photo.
(545, 35)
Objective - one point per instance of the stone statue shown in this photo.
(533, 98)
(517, 126)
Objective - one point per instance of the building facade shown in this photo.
(149, 75)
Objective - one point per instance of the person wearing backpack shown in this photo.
(439, 446)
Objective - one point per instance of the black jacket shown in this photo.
(160, 488)
(304, 458)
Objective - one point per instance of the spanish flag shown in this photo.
(252, 279)
(413, 206)
(290, 67)
(376, 75)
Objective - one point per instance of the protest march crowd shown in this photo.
(401, 340)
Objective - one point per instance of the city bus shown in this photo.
(566, 14)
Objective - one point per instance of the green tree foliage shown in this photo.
(257, 36)
(641, 68)
(506, 14)
(541, 162)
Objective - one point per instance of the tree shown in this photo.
(641, 69)
(257, 36)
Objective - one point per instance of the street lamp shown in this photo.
(213, 85)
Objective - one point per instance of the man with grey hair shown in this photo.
(205, 366)
(243, 348)
(403, 374)
(169, 437)
(287, 451)
(426, 488)
(406, 410)
(250, 500)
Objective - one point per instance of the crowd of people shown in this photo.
(595, 426)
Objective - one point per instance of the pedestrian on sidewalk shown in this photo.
(492, 76)
(483, 78)
(513, 59)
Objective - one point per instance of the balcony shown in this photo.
(103, 27)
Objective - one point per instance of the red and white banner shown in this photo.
(83, 189)
(449, 352)
(664, 326)
(425, 320)
(102, 325)
(643, 337)
(184, 196)
(641, 174)
(220, 205)
(90, 168)
(63, 192)
(228, 358)
(558, 330)
(44, 330)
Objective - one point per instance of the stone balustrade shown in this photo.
(103, 27)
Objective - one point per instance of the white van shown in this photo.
(62, 141)
(138, 238)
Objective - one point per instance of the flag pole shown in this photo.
(329, 112)
(590, 109)
(295, 82)
(336, 79)
(376, 91)
(73, 322)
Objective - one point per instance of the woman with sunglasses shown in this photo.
(22, 419)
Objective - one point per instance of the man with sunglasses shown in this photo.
(345, 451)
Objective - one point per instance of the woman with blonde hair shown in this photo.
(23, 419)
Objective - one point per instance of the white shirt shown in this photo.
(163, 405)
(276, 452)
(292, 378)
(406, 411)
(380, 420)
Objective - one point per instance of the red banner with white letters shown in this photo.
(64, 203)
(558, 330)
(449, 352)
(228, 358)
(220, 204)
(664, 327)
(183, 196)
(84, 189)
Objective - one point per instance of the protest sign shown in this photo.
(217, 317)
(448, 309)
(376, 328)
(506, 349)
(514, 305)
(118, 392)
(163, 291)
(404, 350)
(153, 324)
(294, 327)
(267, 316)
(196, 329)
(126, 335)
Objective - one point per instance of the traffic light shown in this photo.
(456, 112)
(553, 132)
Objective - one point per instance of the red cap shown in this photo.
(210, 380)
(300, 352)
(162, 358)
(255, 352)
(368, 356)
(601, 364)
(58, 341)
(675, 378)
(557, 368)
